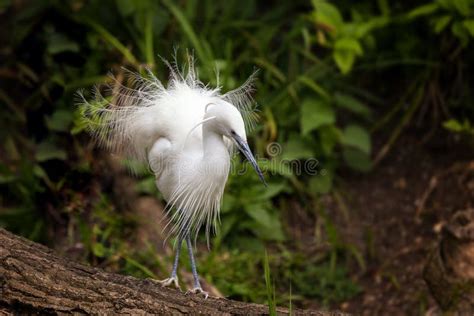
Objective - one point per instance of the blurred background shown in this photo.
(377, 95)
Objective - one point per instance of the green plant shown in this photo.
(455, 16)
(459, 127)
(345, 38)
(270, 286)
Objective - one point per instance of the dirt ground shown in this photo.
(395, 215)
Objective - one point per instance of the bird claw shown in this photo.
(170, 281)
(198, 290)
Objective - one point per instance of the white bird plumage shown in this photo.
(185, 132)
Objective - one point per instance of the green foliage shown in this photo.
(270, 287)
(316, 113)
(459, 127)
(456, 16)
(328, 284)
(236, 273)
(345, 38)
(249, 276)
(247, 211)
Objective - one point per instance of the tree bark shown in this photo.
(34, 280)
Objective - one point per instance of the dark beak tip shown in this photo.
(262, 178)
(244, 148)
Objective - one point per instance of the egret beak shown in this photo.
(245, 149)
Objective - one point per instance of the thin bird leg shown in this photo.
(174, 273)
(176, 259)
(197, 285)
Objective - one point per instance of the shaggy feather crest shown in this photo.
(119, 120)
(127, 119)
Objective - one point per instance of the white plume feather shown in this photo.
(125, 120)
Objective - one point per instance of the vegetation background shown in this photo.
(349, 83)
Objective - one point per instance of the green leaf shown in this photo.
(357, 159)
(422, 10)
(59, 43)
(321, 183)
(327, 14)
(352, 104)
(274, 233)
(275, 166)
(41, 173)
(461, 33)
(358, 137)
(268, 225)
(384, 7)
(349, 44)
(469, 25)
(462, 6)
(329, 136)
(125, 7)
(147, 186)
(441, 23)
(296, 148)
(458, 127)
(272, 190)
(259, 215)
(98, 250)
(60, 121)
(362, 29)
(345, 51)
(310, 83)
(11, 149)
(7, 178)
(453, 125)
(229, 202)
(315, 112)
(344, 60)
(48, 151)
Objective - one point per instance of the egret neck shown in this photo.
(215, 152)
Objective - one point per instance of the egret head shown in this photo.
(227, 121)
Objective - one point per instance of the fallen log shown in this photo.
(35, 280)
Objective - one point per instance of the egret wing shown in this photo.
(242, 99)
(127, 120)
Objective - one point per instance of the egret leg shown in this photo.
(197, 285)
(174, 273)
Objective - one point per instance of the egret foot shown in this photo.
(198, 290)
(170, 281)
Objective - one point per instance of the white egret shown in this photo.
(186, 133)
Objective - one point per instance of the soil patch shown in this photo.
(396, 213)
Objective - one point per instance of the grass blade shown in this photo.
(134, 263)
(187, 29)
(150, 55)
(270, 287)
(112, 40)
